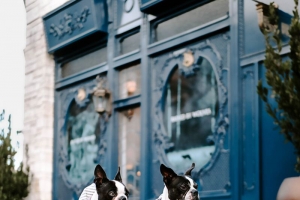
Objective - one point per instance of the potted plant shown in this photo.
(283, 78)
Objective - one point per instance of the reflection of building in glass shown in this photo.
(82, 132)
(190, 113)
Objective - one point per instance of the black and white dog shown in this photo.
(109, 189)
(178, 187)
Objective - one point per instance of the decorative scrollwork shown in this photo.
(69, 23)
(67, 98)
(164, 67)
(128, 5)
(249, 188)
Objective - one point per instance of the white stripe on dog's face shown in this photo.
(188, 195)
(190, 180)
(121, 190)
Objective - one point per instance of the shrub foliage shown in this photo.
(13, 182)
(283, 79)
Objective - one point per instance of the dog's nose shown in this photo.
(195, 193)
(123, 198)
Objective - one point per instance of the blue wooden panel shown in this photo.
(277, 157)
(234, 81)
(250, 142)
(73, 21)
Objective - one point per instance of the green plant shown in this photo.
(283, 78)
(13, 182)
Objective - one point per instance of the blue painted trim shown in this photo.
(213, 195)
(150, 3)
(234, 101)
(157, 7)
(55, 148)
(81, 76)
(187, 36)
(146, 121)
(259, 56)
(122, 103)
(127, 58)
(257, 135)
(71, 40)
(112, 164)
(120, 38)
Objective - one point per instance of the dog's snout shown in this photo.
(122, 198)
(195, 193)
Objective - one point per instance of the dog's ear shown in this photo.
(167, 173)
(118, 176)
(189, 171)
(100, 176)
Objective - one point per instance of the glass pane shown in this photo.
(84, 62)
(191, 19)
(83, 132)
(130, 43)
(190, 111)
(129, 150)
(129, 81)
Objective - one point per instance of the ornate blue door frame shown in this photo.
(214, 49)
(243, 173)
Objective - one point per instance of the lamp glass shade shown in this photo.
(100, 103)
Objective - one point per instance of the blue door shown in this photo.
(190, 114)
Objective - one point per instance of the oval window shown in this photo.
(83, 135)
(190, 112)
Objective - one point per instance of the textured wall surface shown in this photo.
(39, 100)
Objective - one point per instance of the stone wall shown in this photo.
(39, 100)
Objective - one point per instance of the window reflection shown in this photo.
(83, 137)
(190, 110)
(129, 81)
(129, 149)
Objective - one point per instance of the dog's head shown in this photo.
(179, 187)
(109, 189)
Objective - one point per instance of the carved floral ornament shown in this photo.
(69, 23)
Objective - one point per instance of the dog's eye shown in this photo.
(183, 187)
(196, 186)
(112, 193)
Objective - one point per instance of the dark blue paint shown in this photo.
(55, 152)
(158, 7)
(127, 102)
(127, 58)
(250, 135)
(111, 163)
(146, 121)
(96, 21)
(258, 155)
(277, 157)
(234, 101)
